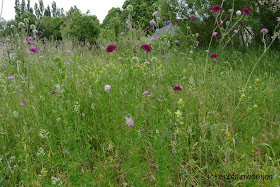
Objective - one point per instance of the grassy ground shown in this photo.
(196, 136)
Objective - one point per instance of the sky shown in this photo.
(99, 8)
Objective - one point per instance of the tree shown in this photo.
(47, 11)
(51, 27)
(17, 8)
(81, 27)
(113, 21)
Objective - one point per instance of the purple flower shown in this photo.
(69, 73)
(176, 21)
(23, 102)
(30, 43)
(197, 42)
(29, 38)
(176, 41)
(216, 8)
(155, 13)
(207, 51)
(36, 22)
(240, 23)
(192, 16)
(214, 55)
(152, 39)
(235, 32)
(20, 91)
(219, 22)
(147, 63)
(129, 122)
(146, 48)
(41, 50)
(66, 63)
(164, 57)
(264, 31)
(35, 31)
(278, 19)
(146, 93)
(119, 58)
(20, 77)
(245, 11)
(54, 92)
(153, 22)
(215, 34)
(10, 78)
(69, 52)
(33, 50)
(168, 22)
(177, 88)
(148, 28)
(228, 16)
(111, 48)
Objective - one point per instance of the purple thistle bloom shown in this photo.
(23, 102)
(215, 34)
(264, 31)
(20, 77)
(214, 55)
(41, 50)
(240, 23)
(245, 11)
(129, 122)
(192, 16)
(235, 32)
(54, 92)
(176, 21)
(219, 22)
(152, 39)
(69, 52)
(152, 22)
(168, 22)
(148, 28)
(164, 57)
(177, 88)
(207, 51)
(69, 73)
(20, 91)
(33, 50)
(216, 8)
(155, 13)
(111, 48)
(29, 38)
(197, 42)
(119, 58)
(278, 19)
(146, 93)
(35, 31)
(146, 48)
(66, 63)
(147, 63)
(30, 43)
(10, 78)
(158, 18)
(176, 41)
(228, 16)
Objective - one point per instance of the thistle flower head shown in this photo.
(21, 25)
(264, 31)
(214, 55)
(153, 22)
(130, 8)
(107, 88)
(111, 48)
(245, 11)
(135, 59)
(146, 48)
(32, 27)
(25, 20)
(238, 12)
(129, 122)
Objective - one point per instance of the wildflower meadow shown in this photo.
(157, 105)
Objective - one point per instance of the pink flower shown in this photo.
(10, 78)
(66, 63)
(278, 19)
(228, 16)
(33, 50)
(214, 55)
(153, 22)
(119, 58)
(219, 22)
(245, 11)
(20, 91)
(240, 23)
(235, 32)
(30, 43)
(168, 22)
(23, 102)
(146, 93)
(192, 16)
(177, 88)
(20, 77)
(146, 48)
(54, 92)
(69, 52)
(29, 38)
(152, 39)
(216, 8)
(197, 42)
(264, 31)
(164, 57)
(148, 28)
(155, 13)
(129, 122)
(111, 48)
(176, 21)
(35, 31)
(215, 34)
(176, 41)
(147, 63)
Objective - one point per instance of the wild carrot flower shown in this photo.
(215, 34)
(107, 88)
(154, 59)
(177, 88)
(238, 12)
(111, 48)
(264, 31)
(69, 52)
(152, 22)
(129, 122)
(235, 32)
(245, 11)
(33, 50)
(146, 48)
(192, 16)
(146, 93)
(10, 78)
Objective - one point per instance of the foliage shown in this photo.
(51, 27)
(114, 21)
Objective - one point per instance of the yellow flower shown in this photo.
(255, 106)
(96, 81)
(243, 95)
(180, 102)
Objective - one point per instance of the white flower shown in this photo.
(238, 12)
(56, 180)
(107, 88)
